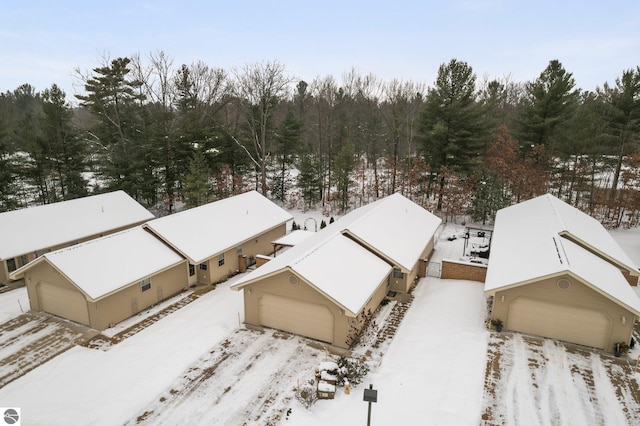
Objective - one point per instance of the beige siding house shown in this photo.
(222, 238)
(556, 272)
(28, 233)
(106, 280)
(325, 286)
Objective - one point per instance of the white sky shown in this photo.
(41, 42)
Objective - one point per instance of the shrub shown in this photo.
(352, 370)
(307, 394)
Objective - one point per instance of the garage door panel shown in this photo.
(296, 316)
(63, 302)
(568, 323)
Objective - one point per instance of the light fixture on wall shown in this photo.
(623, 319)
(502, 298)
(249, 292)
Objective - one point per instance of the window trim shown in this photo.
(145, 284)
(221, 259)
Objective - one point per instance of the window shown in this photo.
(239, 250)
(221, 259)
(145, 284)
(192, 270)
(203, 266)
(11, 264)
(397, 273)
(23, 259)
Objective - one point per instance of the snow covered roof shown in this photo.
(101, 266)
(41, 227)
(335, 265)
(202, 232)
(545, 236)
(395, 231)
(293, 238)
(395, 227)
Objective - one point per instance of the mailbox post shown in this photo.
(370, 395)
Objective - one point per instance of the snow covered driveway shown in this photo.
(536, 381)
(30, 340)
(247, 379)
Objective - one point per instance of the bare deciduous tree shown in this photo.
(259, 89)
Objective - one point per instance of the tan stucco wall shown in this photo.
(118, 306)
(45, 273)
(403, 285)
(259, 244)
(4, 273)
(279, 285)
(579, 295)
(456, 270)
(131, 299)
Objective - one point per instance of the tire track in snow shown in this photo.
(521, 405)
(606, 394)
(217, 389)
(559, 394)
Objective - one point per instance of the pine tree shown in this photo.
(62, 144)
(551, 99)
(309, 180)
(451, 128)
(197, 191)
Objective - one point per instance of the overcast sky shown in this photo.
(42, 42)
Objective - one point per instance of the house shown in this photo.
(101, 282)
(28, 233)
(556, 272)
(327, 285)
(222, 238)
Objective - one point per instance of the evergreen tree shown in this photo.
(623, 118)
(113, 97)
(551, 99)
(62, 145)
(197, 191)
(488, 196)
(288, 141)
(344, 166)
(450, 128)
(310, 180)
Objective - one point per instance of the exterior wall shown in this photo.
(279, 285)
(404, 284)
(259, 244)
(119, 306)
(455, 270)
(28, 257)
(578, 295)
(131, 299)
(4, 272)
(45, 273)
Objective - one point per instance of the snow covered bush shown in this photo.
(307, 394)
(351, 370)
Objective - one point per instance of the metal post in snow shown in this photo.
(370, 395)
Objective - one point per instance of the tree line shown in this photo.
(185, 135)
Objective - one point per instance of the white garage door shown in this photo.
(63, 302)
(568, 323)
(295, 316)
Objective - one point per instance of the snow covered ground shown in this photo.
(199, 365)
